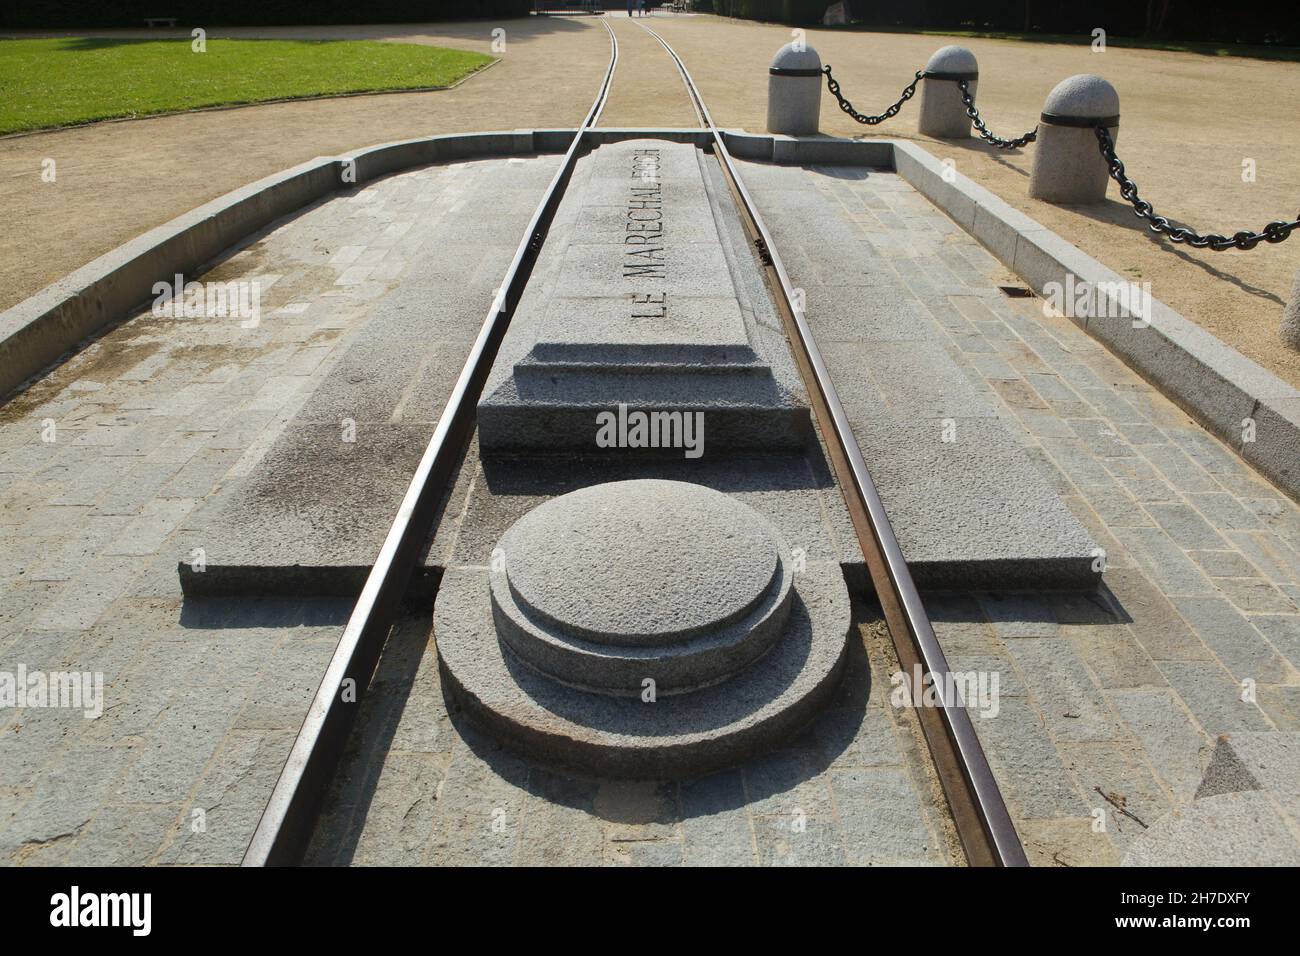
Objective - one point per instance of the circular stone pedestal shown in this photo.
(642, 628)
(610, 586)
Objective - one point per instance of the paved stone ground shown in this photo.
(1126, 690)
(1110, 704)
(201, 700)
(421, 786)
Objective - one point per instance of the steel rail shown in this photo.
(287, 821)
(983, 824)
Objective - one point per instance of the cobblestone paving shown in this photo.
(103, 461)
(420, 786)
(1111, 702)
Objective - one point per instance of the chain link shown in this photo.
(1273, 232)
(983, 130)
(890, 113)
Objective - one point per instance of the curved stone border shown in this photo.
(37, 332)
(1210, 380)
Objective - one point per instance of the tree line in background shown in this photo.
(132, 13)
(1255, 21)
(1259, 21)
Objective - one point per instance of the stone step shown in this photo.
(613, 430)
(648, 360)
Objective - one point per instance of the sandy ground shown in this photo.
(647, 90)
(1188, 123)
(116, 180)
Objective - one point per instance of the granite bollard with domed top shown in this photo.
(943, 112)
(1068, 165)
(794, 91)
(644, 628)
(1290, 330)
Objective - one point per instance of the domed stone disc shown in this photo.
(618, 669)
(640, 563)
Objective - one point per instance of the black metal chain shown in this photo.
(1276, 231)
(847, 107)
(908, 92)
(1273, 232)
(983, 130)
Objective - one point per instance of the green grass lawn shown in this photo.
(45, 83)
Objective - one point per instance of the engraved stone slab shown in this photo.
(635, 301)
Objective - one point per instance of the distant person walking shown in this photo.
(640, 6)
(629, 6)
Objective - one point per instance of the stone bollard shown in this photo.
(794, 91)
(943, 114)
(1291, 317)
(1068, 165)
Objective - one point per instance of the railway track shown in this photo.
(983, 825)
(286, 823)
